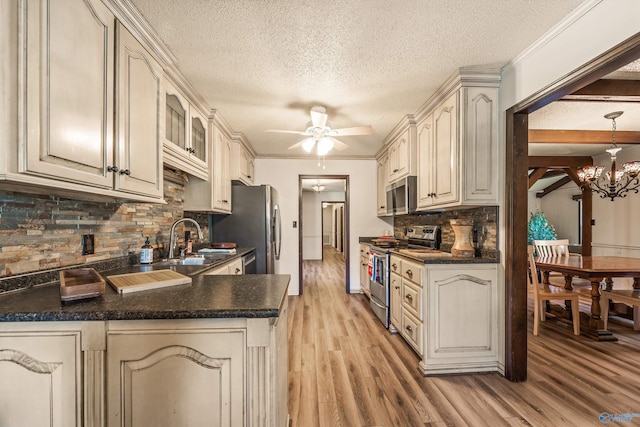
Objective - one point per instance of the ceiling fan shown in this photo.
(320, 135)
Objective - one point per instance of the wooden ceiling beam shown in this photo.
(536, 175)
(552, 136)
(559, 162)
(559, 183)
(607, 90)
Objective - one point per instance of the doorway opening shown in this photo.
(516, 197)
(323, 232)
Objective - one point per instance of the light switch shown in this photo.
(295, 224)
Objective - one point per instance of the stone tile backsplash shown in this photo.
(485, 220)
(40, 232)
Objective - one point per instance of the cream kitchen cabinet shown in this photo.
(411, 324)
(364, 270)
(448, 313)
(65, 141)
(461, 317)
(457, 144)
(402, 154)
(40, 369)
(213, 194)
(438, 152)
(242, 161)
(162, 378)
(382, 176)
(395, 293)
(138, 104)
(233, 267)
(185, 133)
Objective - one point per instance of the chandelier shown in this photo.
(616, 182)
(318, 187)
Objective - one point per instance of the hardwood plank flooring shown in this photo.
(346, 369)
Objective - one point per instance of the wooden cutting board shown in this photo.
(134, 282)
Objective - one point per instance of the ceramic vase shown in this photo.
(462, 246)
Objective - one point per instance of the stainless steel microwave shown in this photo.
(402, 196)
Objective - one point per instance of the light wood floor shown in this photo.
(345, 369)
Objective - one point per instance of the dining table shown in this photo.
(599, 271)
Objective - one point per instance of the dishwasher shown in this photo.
(249, 263)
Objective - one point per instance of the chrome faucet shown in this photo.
(173, 228)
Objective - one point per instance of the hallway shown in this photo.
(346, 369)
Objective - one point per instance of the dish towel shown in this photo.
(370, 266)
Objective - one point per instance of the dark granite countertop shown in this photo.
(218, 296)
(435, 260)
(228, 296)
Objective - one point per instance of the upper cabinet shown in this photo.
(138, 105)
(242, 160)
(185, 133)
(401, 150)
(382, 175)
(457, 143)
(402, 156)
(214, 193)
(68, 97)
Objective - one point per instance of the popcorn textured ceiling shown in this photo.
(263, 64)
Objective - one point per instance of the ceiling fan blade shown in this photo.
(318, 117)
(358, 130)
(297, 132)
(338, 145)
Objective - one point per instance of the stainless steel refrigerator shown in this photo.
(254, 221)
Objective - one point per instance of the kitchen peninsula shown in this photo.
(213, 350)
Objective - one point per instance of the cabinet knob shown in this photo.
(409, 273)
(225, 201)
(397, 287)
(394, 265)
(237, 270)
(249, 176)
(409, 297)
(381, 207)
(395, 170)
(112, 169)
(125, 172)
(409, 328)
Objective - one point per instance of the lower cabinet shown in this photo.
(187, 372)
(395, 293)
(364, 270)
(461, 319)
(160, 378)
(448, 313)
(233, 267)
(41, 377)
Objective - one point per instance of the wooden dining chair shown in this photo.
(558, 248)
(544, 292)
(551, 247)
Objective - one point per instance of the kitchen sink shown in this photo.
(191, 260)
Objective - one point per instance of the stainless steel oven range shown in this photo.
(380, 285)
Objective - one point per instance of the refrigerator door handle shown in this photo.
(277, 231)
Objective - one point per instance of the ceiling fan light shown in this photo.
(308, 144)
(324, 146)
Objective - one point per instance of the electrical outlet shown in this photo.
(87, 244)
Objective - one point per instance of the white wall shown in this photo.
(283, 175)
(561, 210)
